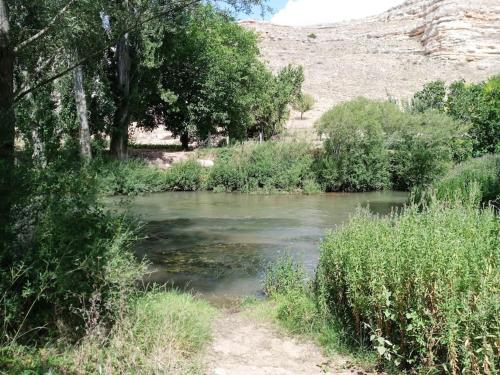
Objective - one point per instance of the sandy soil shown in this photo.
(245, 346)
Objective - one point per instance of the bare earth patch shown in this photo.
(243, 345)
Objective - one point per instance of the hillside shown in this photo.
(393, 54)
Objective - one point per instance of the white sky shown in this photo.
(310, 12)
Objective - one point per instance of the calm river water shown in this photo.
(219, 244)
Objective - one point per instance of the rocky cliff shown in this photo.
(393, 54)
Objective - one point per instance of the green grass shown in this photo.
(161, 333)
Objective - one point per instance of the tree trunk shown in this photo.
(119, 133)
(185, 141)
(7, 118)
(83, 117)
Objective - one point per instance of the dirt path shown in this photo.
(245, 346)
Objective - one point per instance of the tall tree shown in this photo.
(7, 119)
(82, 114)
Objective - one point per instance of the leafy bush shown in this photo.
(133, 177)
(355, 156)
(128, 177)
(372, 145)
(478, 178)
(186, 176)
(66, 252)
(284, 276)
(422, 288)
(269, 166)
(423, 148)
(432, 96)
(229, 171)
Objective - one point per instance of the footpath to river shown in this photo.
(246, 345)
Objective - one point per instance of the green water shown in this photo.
(219, 244)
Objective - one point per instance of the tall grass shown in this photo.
(162, 333)
(481, 175)
(422, 288)
(270, 166)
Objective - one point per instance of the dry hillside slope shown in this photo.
(394, 53)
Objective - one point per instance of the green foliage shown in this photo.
(134, 177)
(271, 110)
(186, 176)
(129, 177)
(355, 157)
(303, 103)
(424, 147)
(66, 252)
(432, 96)
(211, 80)
(373, 145)
(284, 276)
(477, 105)
(421, 288)
(270, 166)
(476, 178)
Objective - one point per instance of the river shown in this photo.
(218, 245)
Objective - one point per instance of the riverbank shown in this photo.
(178, 334)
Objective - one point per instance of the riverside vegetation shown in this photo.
(420, 287)
(70, 293)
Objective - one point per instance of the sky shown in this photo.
(311, 12)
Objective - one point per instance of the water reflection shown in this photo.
(219, 244)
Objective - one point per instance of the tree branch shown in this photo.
(44, 31)
(67, 70)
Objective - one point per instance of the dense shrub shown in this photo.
(422, 288)
(476, 178)
(284, 276)
(66, 253)
(469, 103)
(355, 156)
(372, 145)
(134, 176)
(432, 96)
(270, 166)
(187, 175)
(229, 171)
(423, 148)
(128, 177)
